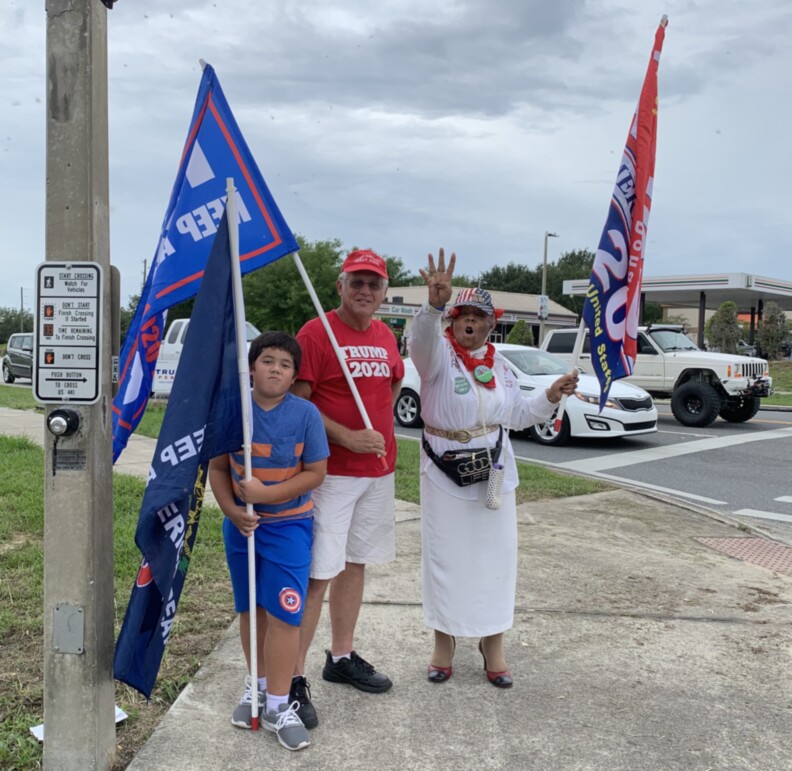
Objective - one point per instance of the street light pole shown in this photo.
(543, 299)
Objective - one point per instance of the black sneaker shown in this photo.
(355, 671)
(300, 692)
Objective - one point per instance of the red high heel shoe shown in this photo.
(436, 674)
(498, 679)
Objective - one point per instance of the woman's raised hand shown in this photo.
(438, 279)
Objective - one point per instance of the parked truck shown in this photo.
(701, 384)
(170, 351)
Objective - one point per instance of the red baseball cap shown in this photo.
(365, 259)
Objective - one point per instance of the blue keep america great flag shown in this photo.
(215, 150)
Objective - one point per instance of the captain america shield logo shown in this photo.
(290, 600)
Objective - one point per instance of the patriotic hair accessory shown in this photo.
(474, 297)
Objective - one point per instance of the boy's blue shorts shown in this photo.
(283, 561)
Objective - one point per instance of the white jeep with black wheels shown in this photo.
(702, 385)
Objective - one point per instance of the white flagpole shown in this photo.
(576, 351)
(338, 352)
(244, 391)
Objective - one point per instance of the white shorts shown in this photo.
(354, 521)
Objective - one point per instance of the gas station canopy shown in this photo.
(747, 291)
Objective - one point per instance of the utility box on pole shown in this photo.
(79, 727)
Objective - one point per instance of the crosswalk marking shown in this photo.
(619, 460)
(657, 488)
(784, 499)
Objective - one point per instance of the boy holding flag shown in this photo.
(289, 459)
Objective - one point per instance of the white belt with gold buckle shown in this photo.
(463, 435)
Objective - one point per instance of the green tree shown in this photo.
(126, 315)
(575, 264)
(520, 334)
(723, 328)
(275, 295)
(772, 332)
(569, 266)
(653, 313)
(405, 278)
(183, 310)
(398, 275)
(13, 320)
(512, 278)
(460, 279)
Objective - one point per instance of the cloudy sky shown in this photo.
(404, 125)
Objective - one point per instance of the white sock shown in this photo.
(262, 684)
(274, 702)
(336, 659)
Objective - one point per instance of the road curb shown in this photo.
(681, 503)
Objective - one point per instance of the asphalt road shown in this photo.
(741, 470)
(738, 469)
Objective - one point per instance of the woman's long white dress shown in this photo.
(469, 552)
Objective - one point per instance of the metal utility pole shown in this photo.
(79, 721)
(543, 301)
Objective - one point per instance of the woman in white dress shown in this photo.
(469, 398)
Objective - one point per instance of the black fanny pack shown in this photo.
(465, 466)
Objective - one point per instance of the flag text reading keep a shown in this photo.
(214, 150)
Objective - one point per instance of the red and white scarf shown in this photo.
(471, 362)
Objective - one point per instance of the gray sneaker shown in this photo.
(287, 726)
(243, 711)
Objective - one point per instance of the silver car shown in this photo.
(18, 360)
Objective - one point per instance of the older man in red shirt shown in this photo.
(354, 522)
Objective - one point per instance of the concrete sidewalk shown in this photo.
(635, 646)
